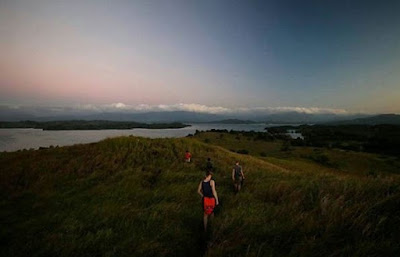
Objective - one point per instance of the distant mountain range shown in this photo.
(289, 117)
(7, 114)
(183, 116)
(307, 118)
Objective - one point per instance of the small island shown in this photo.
(89, 125)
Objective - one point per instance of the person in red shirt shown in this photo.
(188, 156)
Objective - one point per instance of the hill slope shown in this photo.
(393, 119)
(132, 196)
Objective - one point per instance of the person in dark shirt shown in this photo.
(237, 177)
(209, 196)
(209, 165)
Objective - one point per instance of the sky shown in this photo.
(342, 56)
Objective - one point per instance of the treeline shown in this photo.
(383, 139)
(262, 136)
(88, 125)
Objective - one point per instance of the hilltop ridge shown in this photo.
(135, 196)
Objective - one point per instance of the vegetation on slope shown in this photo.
(382, 139)
(280, 150)
(132, 196)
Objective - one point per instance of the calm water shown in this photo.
(16, 139)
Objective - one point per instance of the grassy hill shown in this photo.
(132, 196)
(303, 158)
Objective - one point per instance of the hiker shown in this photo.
(237, 177)
(209, 165)
(188, 156)
(209, 197)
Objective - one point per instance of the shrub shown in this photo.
(298, 142)
(285, 146)
(372, 173)
(243, 151)
(322, 159)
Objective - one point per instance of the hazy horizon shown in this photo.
(336, 57)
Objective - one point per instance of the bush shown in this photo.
(372, 173)
(285, 146)
(322, 159)
(298, 142)
(243, 151)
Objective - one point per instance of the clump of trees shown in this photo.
(382, 139)
(248, 135)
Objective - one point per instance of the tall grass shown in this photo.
(132, 196)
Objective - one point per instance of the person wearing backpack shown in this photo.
(237, 177)
(209, 197)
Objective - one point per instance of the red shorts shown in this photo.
(208, 205)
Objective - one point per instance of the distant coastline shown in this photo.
(89, 125)
(229, 121)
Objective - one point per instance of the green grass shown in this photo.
(306, 158)
(132, 196)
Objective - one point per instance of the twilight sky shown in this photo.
(329, 54)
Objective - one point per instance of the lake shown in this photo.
(18, 139)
